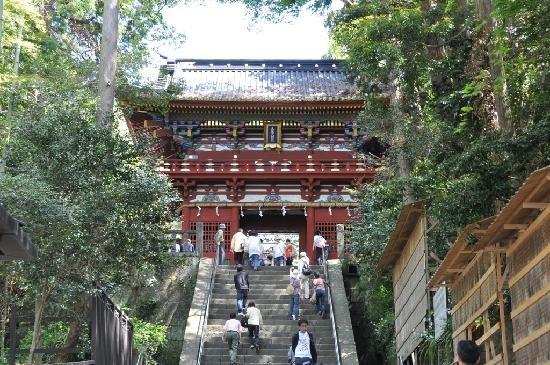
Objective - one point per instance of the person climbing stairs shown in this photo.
(268, 291)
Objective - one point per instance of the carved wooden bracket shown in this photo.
(235, 189)
(187, 189)
(310, 189)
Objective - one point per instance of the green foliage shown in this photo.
(460, 163)
(149, 337)
(53, 335)
(429, 61)
(437, 351)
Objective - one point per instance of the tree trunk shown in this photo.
(484, 8)
(107, 64)
(403, 162)
(39, 306)
(75, 328)
(1, 31)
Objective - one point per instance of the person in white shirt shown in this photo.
(303, 266)
(232, 334)
(319, 242)
(303, 345)
(237, 246)
(246, 256)
(254, 322)
(255, 250)
(177, 245)
(279, 253)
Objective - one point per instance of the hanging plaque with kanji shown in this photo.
(273, 135)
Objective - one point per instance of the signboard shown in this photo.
(440, 311)
(273, 135)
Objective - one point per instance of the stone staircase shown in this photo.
(268, 291)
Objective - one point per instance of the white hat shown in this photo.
(222, 226)
(295, 273)
(302, 254)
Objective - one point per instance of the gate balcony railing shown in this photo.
(264, 166)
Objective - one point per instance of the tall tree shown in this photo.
(107, 64)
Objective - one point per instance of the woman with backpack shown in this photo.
(305, 272)
(294, 292)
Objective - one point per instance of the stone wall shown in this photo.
(191, 342)
(346, 341)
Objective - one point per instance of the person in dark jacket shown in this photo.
(303, 345)
(242, 287)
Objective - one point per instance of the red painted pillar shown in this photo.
(235, 220)
(310, 231)
(186, 218)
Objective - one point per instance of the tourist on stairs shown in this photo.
(254, 250)
(279, 253)
(219, 239)
(237, 246)
(289, 252)
(305, 272)
(246, 256)
(241, 286)
(232, 335)
(303, 345)
(254, 322)
(319, 287)
(294, 292)
(319, 242)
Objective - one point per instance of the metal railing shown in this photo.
(206, 308)
(331, 306)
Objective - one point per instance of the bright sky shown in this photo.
(216, 30)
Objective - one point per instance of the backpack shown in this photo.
(244, 322)
(306, 270)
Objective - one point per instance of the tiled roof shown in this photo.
(262, 80)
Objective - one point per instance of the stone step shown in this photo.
(275, 339)
(275, 297)
(226, 362)
(263, 285)
(269, 316)
(265, 279)
(274, 268)
(223, 310)
(280, 324)
(272, 351)
(228, 299)
(255, 288)
(267, 343)
(261, 359)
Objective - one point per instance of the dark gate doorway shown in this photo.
(274, 222)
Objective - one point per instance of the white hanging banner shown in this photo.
(440, 311)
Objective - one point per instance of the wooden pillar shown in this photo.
(235, 224)
(310, 232)
(186, 218)
(502, 307)
(199, 239)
